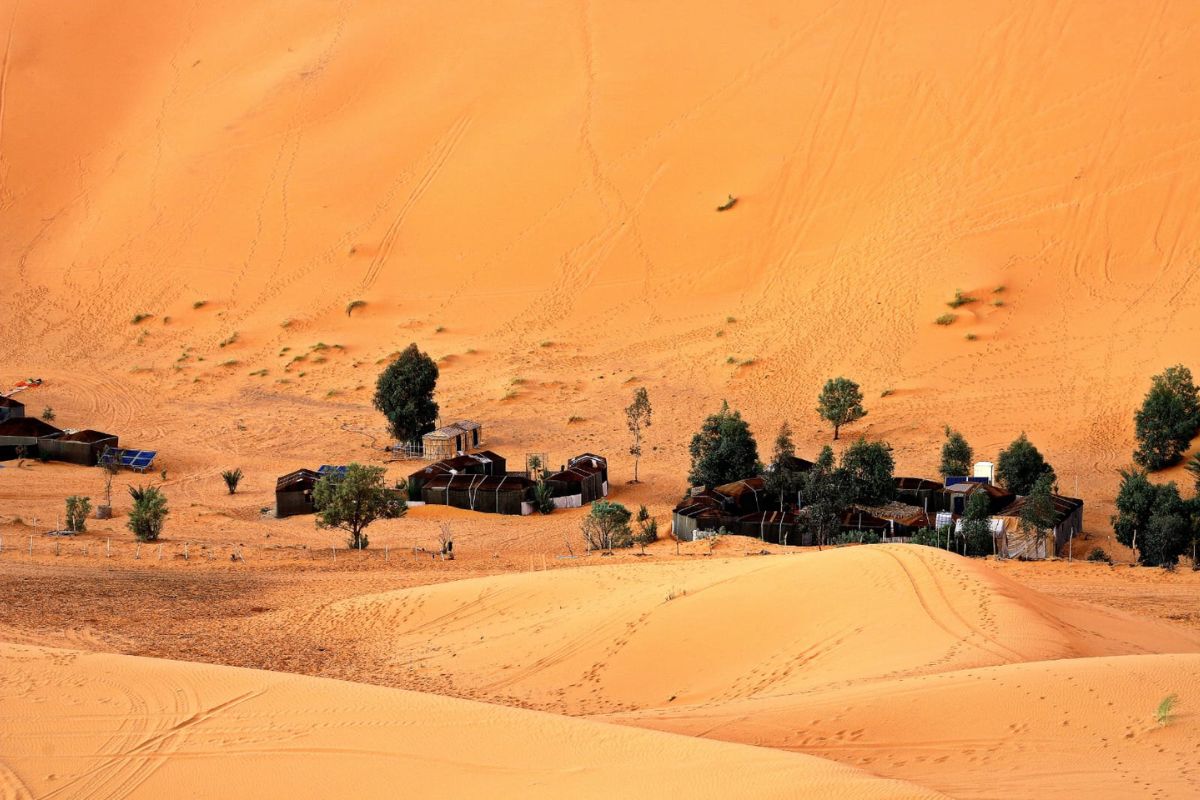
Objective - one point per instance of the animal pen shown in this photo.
(77, 447)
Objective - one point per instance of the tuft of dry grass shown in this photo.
(887, 393)
(353, 304)
(228, 340)
(946, 319)
(199, 304)
(960, 299)
(139, 318)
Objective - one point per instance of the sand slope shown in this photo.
(595, 640)
(1078, 728)
(107, 726)
(490, 181)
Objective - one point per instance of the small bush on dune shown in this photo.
(946, 319)
(148, 514)
(137, 318)
(353, 304)
(78, 509)
(1162, 714)
(960, 299)
(1098, 554)
(232, 478)
(199, 304)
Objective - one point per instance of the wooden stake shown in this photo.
(30, 545)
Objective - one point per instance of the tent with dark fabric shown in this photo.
(493, 494)
(485, 462)
(294, 493)
(745, 496)
(581, 481)
(776, 527)
(11, 409)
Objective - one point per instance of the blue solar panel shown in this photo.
(133, 459)
(329, 469)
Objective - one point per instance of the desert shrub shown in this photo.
(1162, 714)
(1098, 554)
(856, 537)
(78, 509)
(607, 526)
(946, 319)
(48, 414)
(232, 478)
(148, 514)
(353, 304)
(960, 299)
(543, 498)
(930, 538)
(199, 304)
(138, 318)
(647, 532)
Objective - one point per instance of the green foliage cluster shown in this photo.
(607, 526)
(957, 455)
(1020, 465)
(404, 394)
(78, 509)
(149, 513)
(870, 466)
(1154, 520)
(840, 403)
(723, 451)
(232, 478)
(1168, 419)
(353, 501)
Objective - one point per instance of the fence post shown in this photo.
(137, 551)
(334, 551)
(56, 547)
(385, 552)
(108, 549)
(185, 551)
(160, 552)
(31, 545)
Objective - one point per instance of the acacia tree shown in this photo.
(1020, 465)
(840, 403)
(638, 416)
(353, 501)
(956, 454)
(870, 466)
(1168, 419)
(723, 451)
(404, 393)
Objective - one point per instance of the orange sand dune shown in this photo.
(532, 197)
(92, 725)
(1078, 728)
(596, 640)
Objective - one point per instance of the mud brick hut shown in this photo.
(294, 493)
(27, 433)
(491, 494)
(78, 447)
(451, 440)
(11, 409)
(485, 462)
(582, 480)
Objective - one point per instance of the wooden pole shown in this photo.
(108, 548)
(185, 551)
(31, 546)
(137, 551)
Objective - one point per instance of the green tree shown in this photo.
(638, 416)
(956, 454)
(973, 526)
(647, 532)
(1136, 500)
(1037, 515)
(840, 403)
(1020, 466)
(1168, 419)
(607, 526)
(78, 509)
(870, 466)
(1168, 536)
(404, 393)
(723, 451)
(782, 478)
(149, 513)
(828, 490)
(353, 501)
